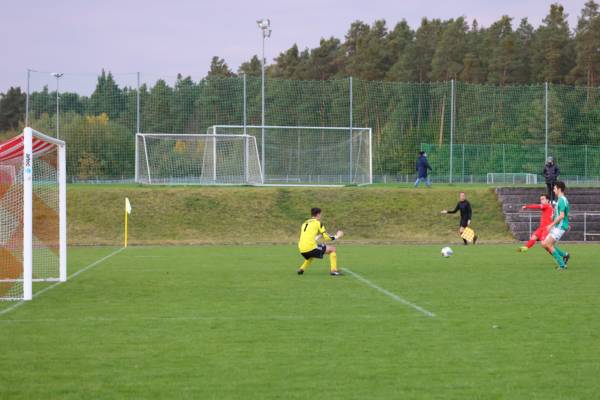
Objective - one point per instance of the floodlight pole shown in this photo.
(452, 123)
(57, 75)
(265, 27)
(137, 105)
(351, 125)
(245, 134)
(27, 98)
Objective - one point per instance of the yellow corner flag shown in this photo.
(127, 212)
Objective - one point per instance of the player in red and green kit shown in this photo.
(545, 219)
(557, 228)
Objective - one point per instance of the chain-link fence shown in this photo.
(468, 130)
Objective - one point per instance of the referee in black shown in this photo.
(465, 215)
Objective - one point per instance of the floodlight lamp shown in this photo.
(264, 23)
(57, 74)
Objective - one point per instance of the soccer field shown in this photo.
(237, 322)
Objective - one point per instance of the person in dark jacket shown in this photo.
(422, 167)
(466, 213)
(551, 173)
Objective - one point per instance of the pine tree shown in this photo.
(473, 70)
(185, 95)
(368, 50)
(587, 46)
(415, 63)
(12, 109)
(553, 50)
(450, 51)
(292, 64)
(325, 61)
(157, 109)
(525, 39)
(251, 68)
(502, 46)
(219, 69)
(399, 39)
(107, 97)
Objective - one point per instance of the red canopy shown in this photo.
(13, 148)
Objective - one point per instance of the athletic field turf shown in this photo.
(237, 322)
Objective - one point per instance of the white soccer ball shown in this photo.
(447, 252)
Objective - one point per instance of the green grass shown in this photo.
(247, 215)
(222, 322)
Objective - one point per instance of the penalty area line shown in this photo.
(84, 269)
(389, 294)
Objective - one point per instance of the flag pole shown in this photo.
(125, 244)
(127, 212)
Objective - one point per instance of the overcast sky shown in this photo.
(163, 38)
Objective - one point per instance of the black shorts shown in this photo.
(319, 252)
(464, 223)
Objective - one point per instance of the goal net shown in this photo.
(196, 159)
(512, 178)
(309, 155)
(32, 213)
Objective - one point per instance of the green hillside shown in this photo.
(239, 215)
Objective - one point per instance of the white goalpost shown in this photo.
(309, 155)
(33, 213)
(256, 155)
(171, 159)
(513, 178)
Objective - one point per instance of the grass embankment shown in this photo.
(238, 215)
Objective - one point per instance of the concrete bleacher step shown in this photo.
(575, 207)
(581, 200)
(540, 189)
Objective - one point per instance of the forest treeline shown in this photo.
(401, 89)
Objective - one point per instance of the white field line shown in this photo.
(86, 268)
(389, 294)
(200, 318)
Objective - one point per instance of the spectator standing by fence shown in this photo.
(551, 173)
(422, 167)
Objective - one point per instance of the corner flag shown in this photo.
(127, 212)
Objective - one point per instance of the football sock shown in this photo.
(333, 261)
(465, 241)
(560, 252)
(530, 243)
(306, 263)
(558, 258)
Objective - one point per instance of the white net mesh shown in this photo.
(45, 217)
(197, 159)
(511, 178)
(11, 230)
(310, 155)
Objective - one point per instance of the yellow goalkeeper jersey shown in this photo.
(309, 231)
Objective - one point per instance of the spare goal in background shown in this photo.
(511, 178)
(171, 159)
(309, 155)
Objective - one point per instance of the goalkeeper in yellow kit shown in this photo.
(309, 248)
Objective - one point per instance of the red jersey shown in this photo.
(547, 213)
